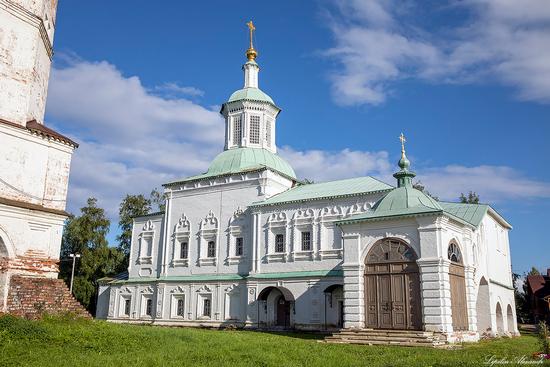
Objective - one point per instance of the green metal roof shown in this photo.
(324, 190)
(470, 213)
(252, 94)
(400, 202)
(242, 160)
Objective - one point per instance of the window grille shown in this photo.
(454, 254)
(237, 130)
(306, 241)
(239, 246)
(279, 243)
(181, 307)
(149, 307)
(211, 250)
(206, 307)
(255, 129)
(184, 248)
(127, 304)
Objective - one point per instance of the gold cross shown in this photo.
(403, 140)
(251, 29)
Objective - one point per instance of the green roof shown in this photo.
(242, 160)
(324, 190)
(252, 94)
(401, 201)
(470, 213)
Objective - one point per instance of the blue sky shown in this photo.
(139, 86)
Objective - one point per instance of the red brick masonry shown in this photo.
(31, 297)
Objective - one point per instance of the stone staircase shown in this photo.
(408, 338)
(31, 297)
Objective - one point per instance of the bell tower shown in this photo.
(250, 114)
(27, 28)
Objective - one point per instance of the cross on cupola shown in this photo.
(250, 114)
(404, 176)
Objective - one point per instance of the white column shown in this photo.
(471, 297)
(436, 294)
(354, 300)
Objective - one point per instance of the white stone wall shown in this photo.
(26, 36)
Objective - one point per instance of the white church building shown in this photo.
(247, 244)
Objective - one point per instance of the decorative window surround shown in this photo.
(146, 244)
(277, 224)
(204, 293)
(178, 295)
(182, 233)
(146, 297)
(208, 232)
(303, 221)
(237, 229)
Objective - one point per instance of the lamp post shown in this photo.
(73, 256)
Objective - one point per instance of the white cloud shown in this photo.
(378, 42)
(131, 140)
(175, 88)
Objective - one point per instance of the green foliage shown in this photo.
(65, 342)
(85, 234)
(544, 337)
(472, 198)
(130, 207)
(158, 200)
(533, 271)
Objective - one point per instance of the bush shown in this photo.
(544, 337)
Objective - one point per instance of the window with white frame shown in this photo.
(178, 306)
(279, 242)
(237, 130)
(255, 129)
(184, 249)
(211, 249)
(239, 242)
(127, 303)
(206, 307)
(306, 241)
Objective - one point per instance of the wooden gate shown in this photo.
(458, 297)
(392, 287)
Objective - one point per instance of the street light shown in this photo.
(74, 256)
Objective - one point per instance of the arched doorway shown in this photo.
(392, 287)
(278, 306)
(483, 308)
(500, 321)
(459, 305)
(510, 319)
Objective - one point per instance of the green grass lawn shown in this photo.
(65, 342)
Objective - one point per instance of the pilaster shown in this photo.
(436, 294)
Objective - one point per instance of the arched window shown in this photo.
(453, 253)
(390, 250)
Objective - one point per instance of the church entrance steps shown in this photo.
(387, 337)
(32, 297)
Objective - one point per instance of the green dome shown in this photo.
(243, 159)
(253, 94)
(405, 199)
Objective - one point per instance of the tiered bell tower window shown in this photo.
(237, 130)
(254, 129)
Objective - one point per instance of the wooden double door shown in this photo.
(392, 296)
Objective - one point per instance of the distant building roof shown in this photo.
(324, 190)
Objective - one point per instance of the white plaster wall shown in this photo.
(34, 169)
(26, 36)
(137, 269)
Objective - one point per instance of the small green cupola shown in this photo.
(404, 176)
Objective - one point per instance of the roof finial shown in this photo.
(251, 53)
(404, 163)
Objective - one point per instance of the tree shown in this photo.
(86, 234)
(420, 187)
(472, 198)
(158, 200)
(130, 207)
